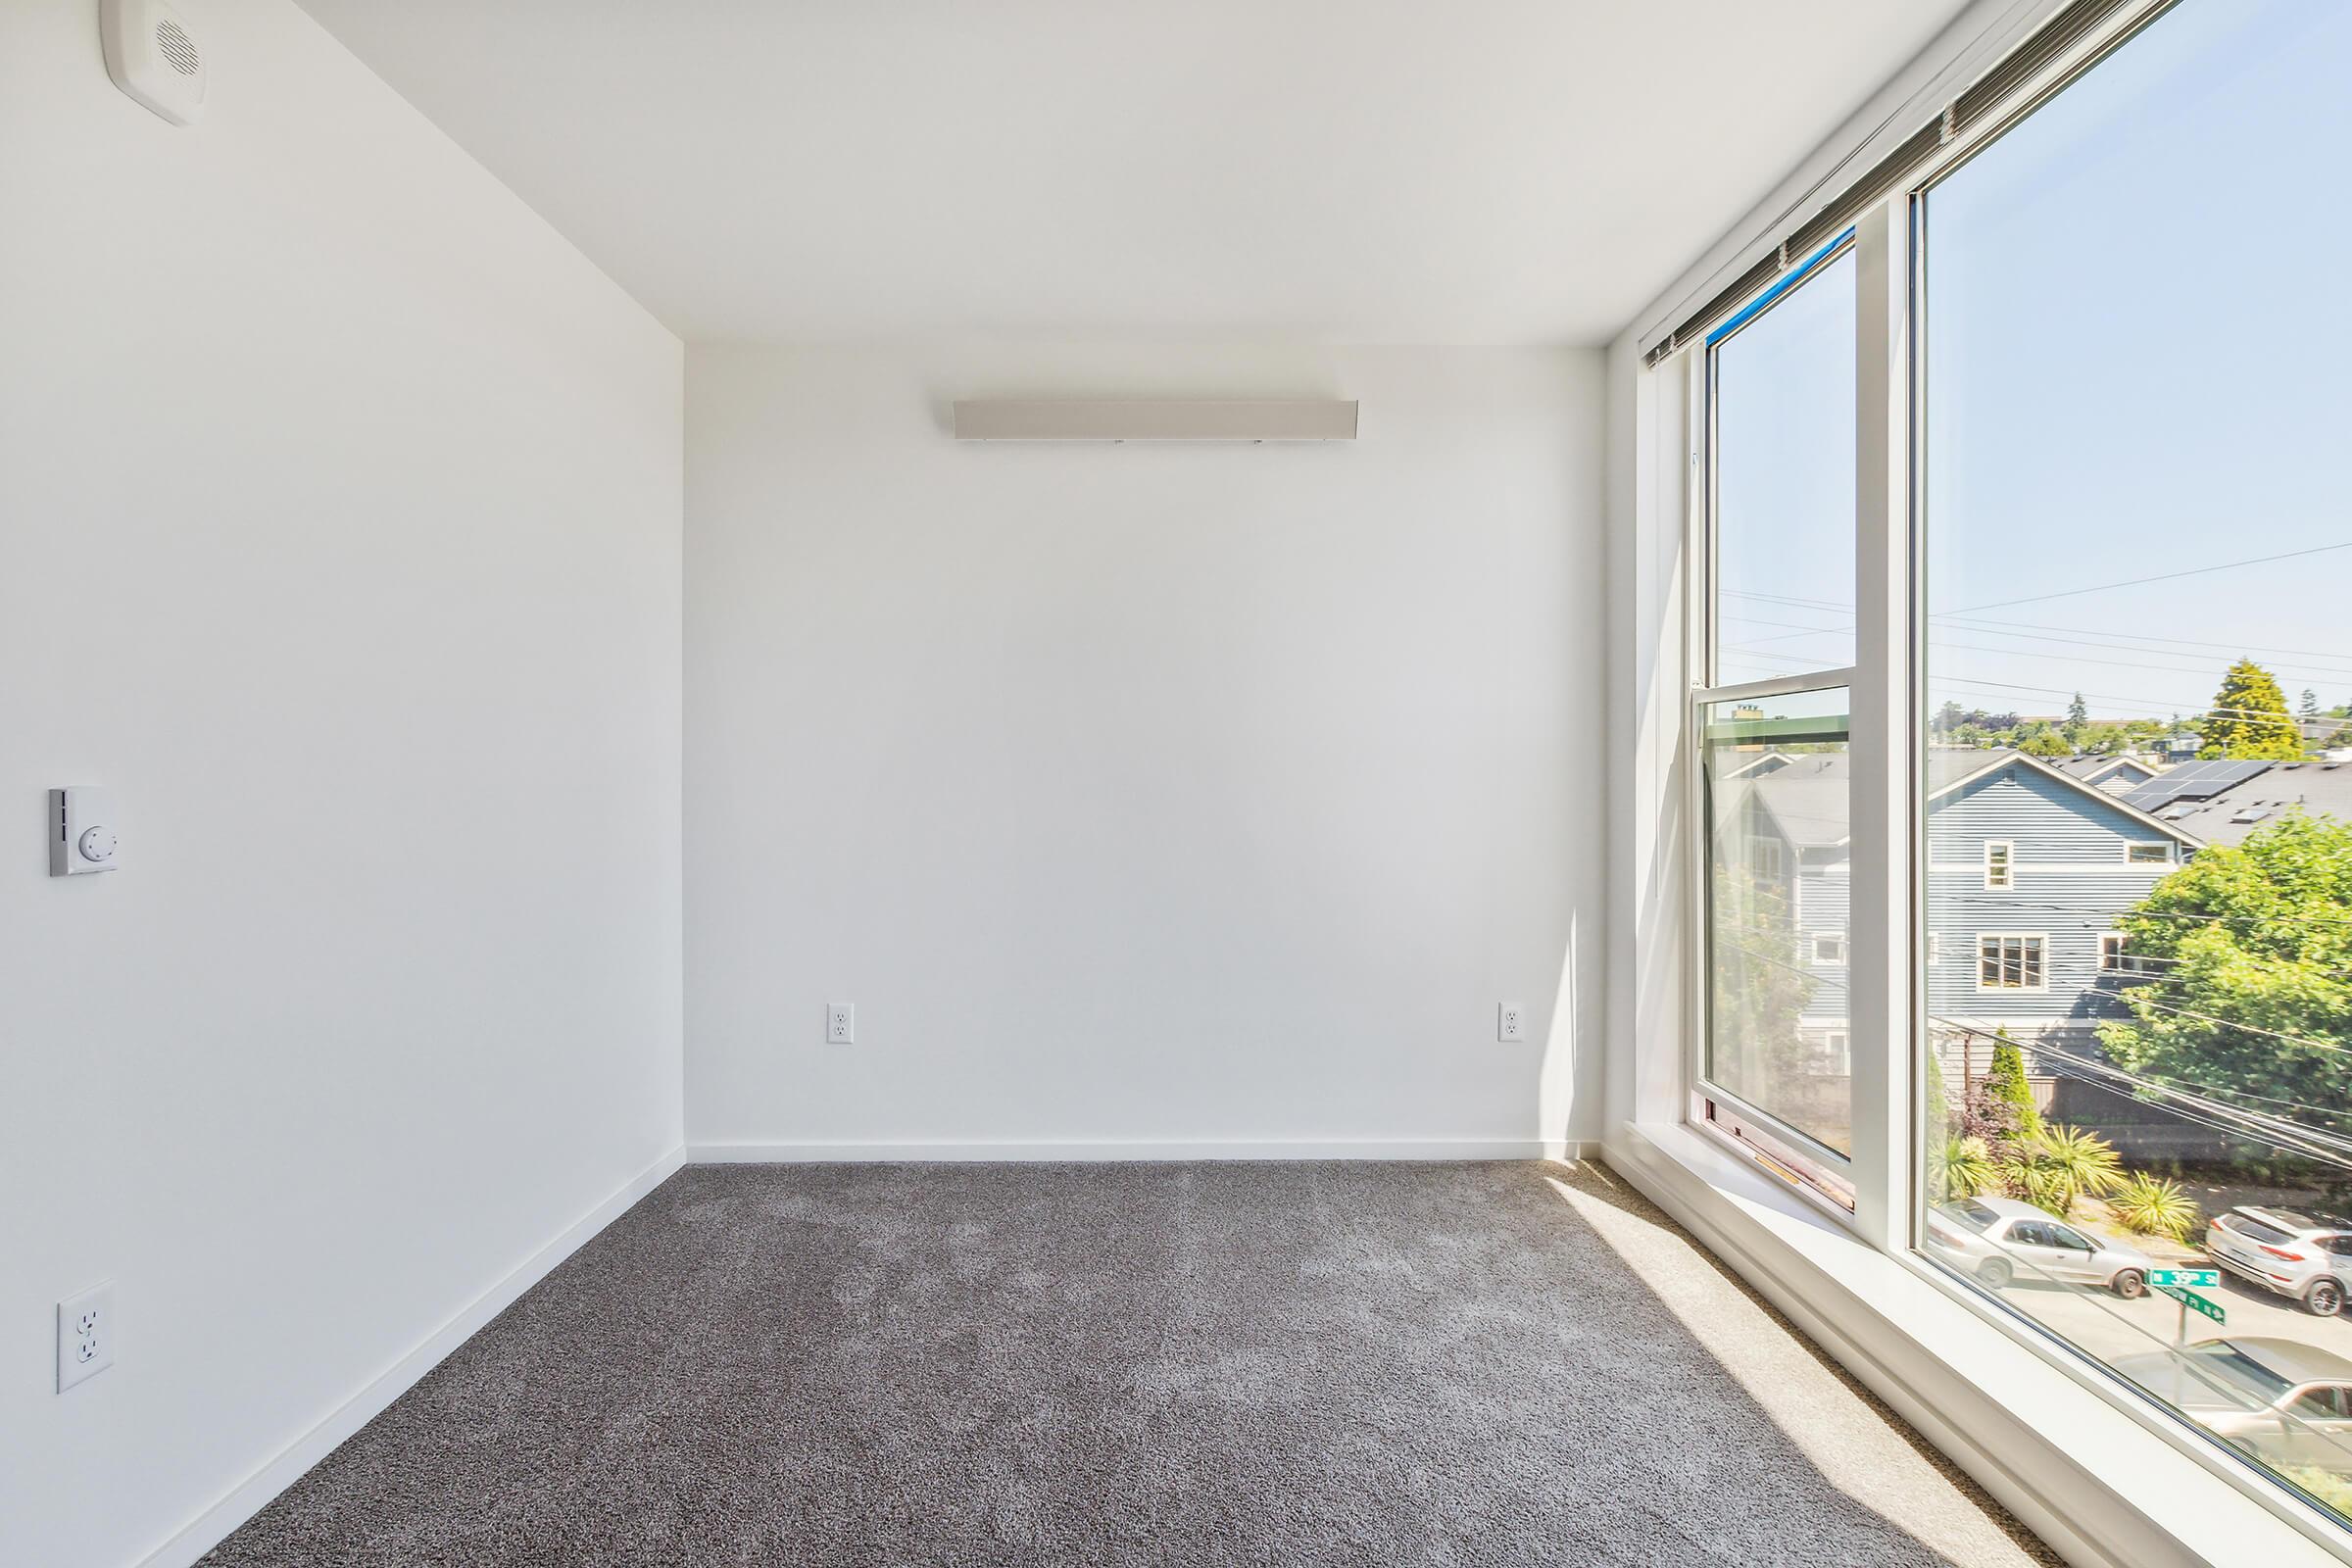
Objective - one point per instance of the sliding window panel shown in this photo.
(1778, 1039)
(2137, 537)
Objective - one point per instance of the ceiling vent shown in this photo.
(153, 57)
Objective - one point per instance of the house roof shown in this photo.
(1809, 797)
(2092, 769)
(2232, 813)
(2193, 781)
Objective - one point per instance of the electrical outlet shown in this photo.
(1510, 1021)
(841, 1023)
(86, 1334)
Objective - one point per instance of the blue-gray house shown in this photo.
(2029, 869)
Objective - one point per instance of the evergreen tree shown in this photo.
(2311, 702)
(2006, 1081)
(2077, 719)
(2249, 716)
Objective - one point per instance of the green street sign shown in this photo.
(2195, 1302)
(2204, 1279)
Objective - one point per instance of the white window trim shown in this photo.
(2007, 882)
(2163, 844)
(2041, 937)
(1843, 952)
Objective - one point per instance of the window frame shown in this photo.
(1889, 1013)
(1813, 1168)
(2006, 881)
(1820, 962)
(2165, 855)
(2041, 962)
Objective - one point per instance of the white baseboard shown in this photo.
(247, 1498)
(750, 1153)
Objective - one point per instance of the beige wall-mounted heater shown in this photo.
(1295, 420)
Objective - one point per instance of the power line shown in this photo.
(2122, 639)
(2232, 1121)
(2130, 642)
(2183, 1087)
(2146, 644)
(2172, 914)
(2143, 998)
(2165, 576)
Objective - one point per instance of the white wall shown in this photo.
(339, 535)
(1153, 794)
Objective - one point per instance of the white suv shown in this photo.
(2308, 1257)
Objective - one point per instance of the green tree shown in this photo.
(2311, 702)
(2077, 719)
(1759, 988)
(2005, 1081)
(2044, 742)
(2251, 950)
(2249, 716)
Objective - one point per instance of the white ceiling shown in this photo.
(1360, 170)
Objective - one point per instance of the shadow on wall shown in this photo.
(1555, 1073)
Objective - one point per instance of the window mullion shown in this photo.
(1881, 927)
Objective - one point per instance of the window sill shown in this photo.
(2104, 1479)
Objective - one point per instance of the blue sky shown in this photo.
(2135, 364)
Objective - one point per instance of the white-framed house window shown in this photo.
(1828, 948)
(2150, 852)
(1837, 1050)
(2012, 961)
(2000, 865)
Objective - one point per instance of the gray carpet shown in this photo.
(1376, 1364)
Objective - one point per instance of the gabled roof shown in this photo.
(1760, 764)
(2096, 770)
(1808, 799)
(2121, 803)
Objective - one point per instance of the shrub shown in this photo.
(2053, 1167)
(2155, 1205)
(1965, 1167)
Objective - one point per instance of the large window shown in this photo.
(2024, 885)
(2133, 540)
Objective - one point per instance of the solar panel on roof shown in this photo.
(2193, 781)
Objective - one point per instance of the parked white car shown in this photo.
(1999, 1240)
(2308, 1257)
(2287, 1403)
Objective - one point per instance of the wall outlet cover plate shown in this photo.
(86, 1334)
